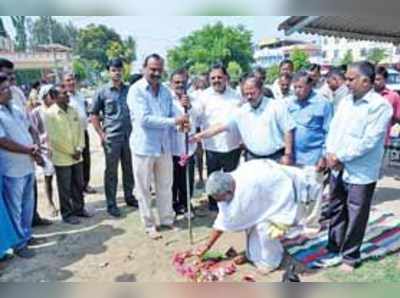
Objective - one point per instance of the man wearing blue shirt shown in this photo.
(312, 114)
(151, 108)
(17, 156)
(354, 147)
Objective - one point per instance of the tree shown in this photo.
(94, 42)
(300, 59)
(376, 55)
(20, 30)
(47, 29)
(79, 69)
(3, 32)
(211, 44)
(347, 58)
(272, 74)
(234, 71)
(198, 68)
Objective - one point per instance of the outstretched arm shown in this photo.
(208, 133)
(201, 250)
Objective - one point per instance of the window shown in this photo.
(363, 52)
(324, 54)
(336, 54)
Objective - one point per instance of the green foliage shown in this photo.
(3, 32)
(198, 68)
(272, 73)
(300, 59)
(20, 29)
(97, 44)
(376, 55)
(80, 70)
(46, 30)
(211, 44)
(28, 76)
(234, 71)
(347, 58)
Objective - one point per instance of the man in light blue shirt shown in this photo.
(151, 109)
(312, 114)
(17, 155)
(264, 125)
(354, 147)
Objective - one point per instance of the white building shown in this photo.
(272, 51)
(334, 49)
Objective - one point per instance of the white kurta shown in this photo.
(266, 193)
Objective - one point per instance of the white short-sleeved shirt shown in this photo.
(263, 129)
(217, 108)
(178, 138)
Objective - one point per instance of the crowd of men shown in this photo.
(338, 124)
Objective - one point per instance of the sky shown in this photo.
(160, 33)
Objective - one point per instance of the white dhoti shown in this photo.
(269, 197)
(261, 250)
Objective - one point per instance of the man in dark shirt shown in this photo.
(114, 131)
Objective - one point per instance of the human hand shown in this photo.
(77, 155)
(201, 250)
(286, 160)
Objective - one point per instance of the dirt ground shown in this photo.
(107, 249)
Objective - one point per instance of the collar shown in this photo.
(262, 99)
(111, 86)
(367, 96)
(310, 98)
(385, 91)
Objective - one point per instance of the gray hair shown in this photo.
(218, 183)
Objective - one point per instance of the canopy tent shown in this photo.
(384, 29)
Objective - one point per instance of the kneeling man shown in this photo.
(261, 198)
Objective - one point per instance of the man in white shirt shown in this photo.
(182, 157)
(18, 97)
(217, 104)
(78, 101)
(337, 87)
(286, 68)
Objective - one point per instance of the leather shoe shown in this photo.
(132, 202)
(24, 253)
(72, 220)
(115, 212)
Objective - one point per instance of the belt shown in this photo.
(274, 155)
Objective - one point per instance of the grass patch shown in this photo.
(374, 270)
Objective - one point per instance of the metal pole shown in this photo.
(51, 41)
(188, 198)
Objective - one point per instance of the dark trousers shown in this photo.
(86, 161)
(349, 211)
(70, 189)
(36, 217)
(179, 188)
(116, 152)
(217, 161)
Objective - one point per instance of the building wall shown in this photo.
(334, 49)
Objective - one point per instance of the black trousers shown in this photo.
(350, 205)
(116, 152)
(70, 189)
(217, 161)
(86, 161)
(36, 217)
(179, 188)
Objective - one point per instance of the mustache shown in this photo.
(155, 76)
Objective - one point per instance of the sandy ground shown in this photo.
(107, 249)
